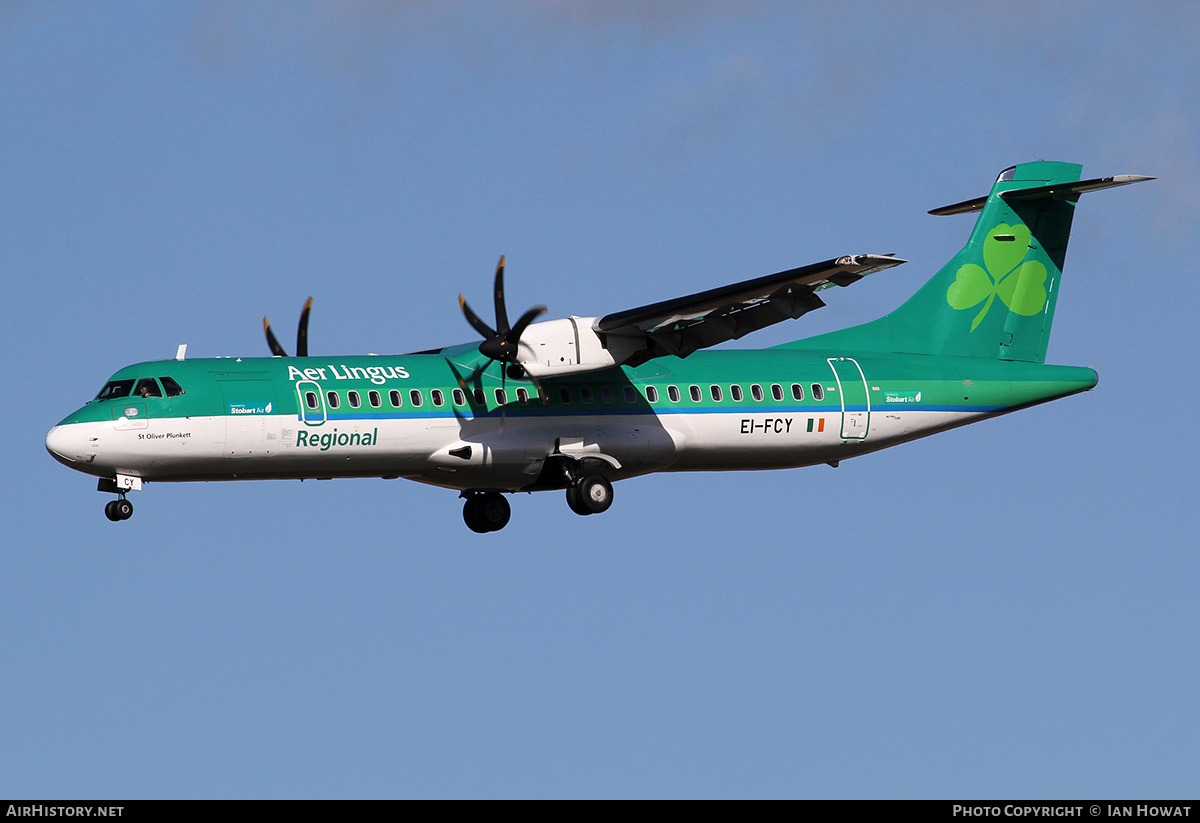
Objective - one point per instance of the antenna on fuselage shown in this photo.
(181, 351)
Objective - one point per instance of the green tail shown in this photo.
(995, 299)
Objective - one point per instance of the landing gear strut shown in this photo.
(485, 511)
(119, 509)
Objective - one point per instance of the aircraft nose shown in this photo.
(65, 444)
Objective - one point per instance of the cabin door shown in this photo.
(856, 399)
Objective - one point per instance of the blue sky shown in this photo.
(1003, 610)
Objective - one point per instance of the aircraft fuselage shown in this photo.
(450, 420)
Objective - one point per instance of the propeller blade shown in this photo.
(526, 318)
(302, 331)
(276, 349)
(502, 342)
(502, 326)
(504, 394)
(483, 328)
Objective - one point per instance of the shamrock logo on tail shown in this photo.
(1021, 285)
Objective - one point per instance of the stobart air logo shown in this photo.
(250, 408)
(1020, 283)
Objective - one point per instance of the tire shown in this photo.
(123, 509)
(110, 511)
(575, 502)
(494, 511)
(472, 516)
(595, 493)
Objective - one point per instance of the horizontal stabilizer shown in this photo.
(1062, 191)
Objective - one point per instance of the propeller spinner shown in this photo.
(301, 335)
(501, 343)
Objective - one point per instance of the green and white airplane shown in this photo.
(580, 402)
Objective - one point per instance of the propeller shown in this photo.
(301, 335)
(501, 343)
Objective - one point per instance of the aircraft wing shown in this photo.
(697, 321)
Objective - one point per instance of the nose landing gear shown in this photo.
(119, 509)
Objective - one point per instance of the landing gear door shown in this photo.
(856, 399)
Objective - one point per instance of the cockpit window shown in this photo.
(173, 388)
(147, 387)
(115, 388)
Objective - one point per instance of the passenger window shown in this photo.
(735, 391)
(147, 387)
(460, 399)
(817, 392)
(630, 394)
(673, 394)
(585, 394)
(777, 391)
(652, 394)
(694, 391)
(173, 388)
(564, 394)
(756, 392)
(606, 394)
(522, 396)
(310, 399)
(115, 388)
(375, 399)
(543, 395)
(480, 400)
(415, 398)
(355, 400)
(334, 400)
(395, 397)
(501, 396)
(716, 393)
(437, 397)
(797, 391)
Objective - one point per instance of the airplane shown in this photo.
(578, 403)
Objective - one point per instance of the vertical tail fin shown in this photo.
(995, 299)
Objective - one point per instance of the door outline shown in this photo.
(307, 415)
(855, 424)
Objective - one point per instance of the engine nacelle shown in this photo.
(571, 346)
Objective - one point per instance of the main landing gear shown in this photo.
(590, 495)
(489, 511)
(485, 511)
(119, 509)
